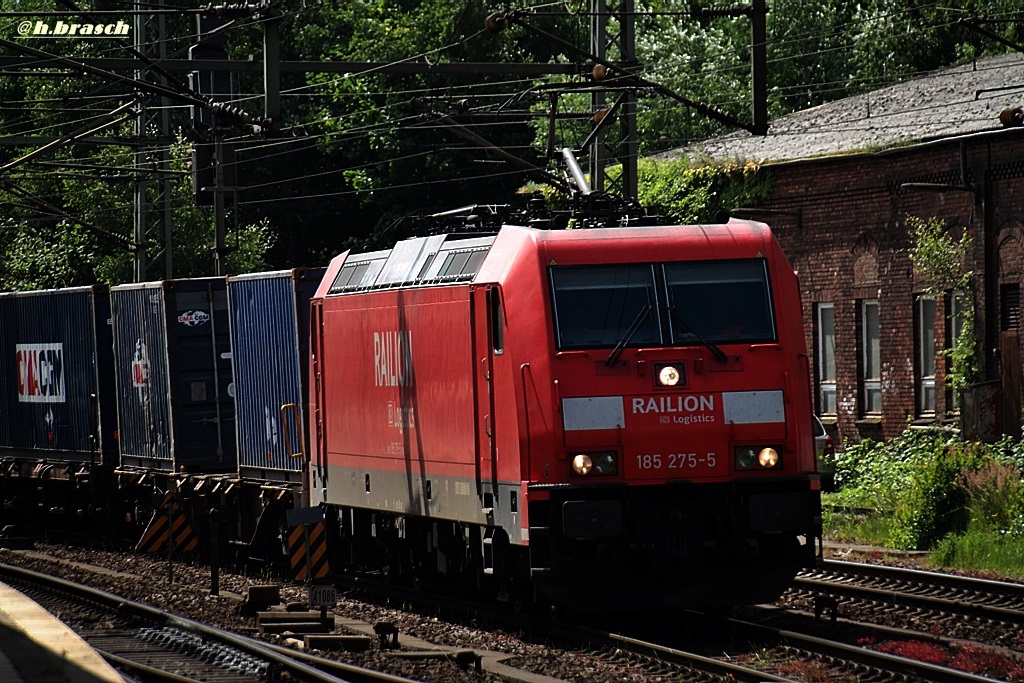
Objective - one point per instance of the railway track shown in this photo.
(151, 645)
(765, 644)
(680, 649)
(914, 587)
(966, 623)
(954, 607)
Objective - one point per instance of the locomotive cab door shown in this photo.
(483, 306)
(317, 461)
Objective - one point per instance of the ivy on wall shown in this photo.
(941, 261)
(695, 192)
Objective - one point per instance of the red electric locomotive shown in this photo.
(610, 417)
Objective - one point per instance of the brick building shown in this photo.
(875, 336)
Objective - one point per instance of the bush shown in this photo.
(931, 489)
(933, 502)
(996, 496)
(915, 478)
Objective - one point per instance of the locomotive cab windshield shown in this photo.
(667, 304)
(599, 306)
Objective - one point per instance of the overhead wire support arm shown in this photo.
(603, 122)
(237, 116)
(51, 210)
(975, 25)
(498, 22)
(130, 48)
(537, 172)
(100, 123)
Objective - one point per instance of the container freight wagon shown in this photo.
(57, 400)
(605, 418)
(172, 359)
(57, 410)
(270, 358)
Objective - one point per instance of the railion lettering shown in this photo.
(392, 358)
(658, 405)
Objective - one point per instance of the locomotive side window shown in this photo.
(604, 306)
(497, 320)
(350, 276)
(719, 301)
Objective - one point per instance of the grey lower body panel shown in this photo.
(462, 499)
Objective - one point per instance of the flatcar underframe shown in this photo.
(246, 516)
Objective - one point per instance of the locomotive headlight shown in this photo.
(582, 464)
(753, 457)
(768, 458)
(604, 462)
(670, 375)
(745, 458)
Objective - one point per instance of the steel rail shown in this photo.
(300, 670)
(978, 606)
(877, 660)
(1010, 588)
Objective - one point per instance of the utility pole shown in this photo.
(615, 143)
(151, 163)
(272, 67)
(220, 250)
(140, 213)
(759, 67)
(213, 164)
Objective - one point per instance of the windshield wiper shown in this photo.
(712, 346)
(641, 317)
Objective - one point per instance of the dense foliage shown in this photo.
(356, 152)
(929, 488)
(688, 192)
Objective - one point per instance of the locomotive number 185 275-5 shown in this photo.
(675, 461)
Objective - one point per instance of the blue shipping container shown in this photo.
(270, 355)
(172, 358)
(57, 396)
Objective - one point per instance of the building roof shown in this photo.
(957, 101)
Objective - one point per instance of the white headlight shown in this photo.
(768, 457)
(669, 376)
(582, 464)
(757, 457)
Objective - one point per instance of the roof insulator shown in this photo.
(496, 23)
(1012, 116)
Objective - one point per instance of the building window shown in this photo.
(925, 318)
(826, 356)
(957, 302)
(1009, 313)
(871, 360)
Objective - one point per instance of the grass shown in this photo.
(979, 549)
(862, 526)
(982, 550)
